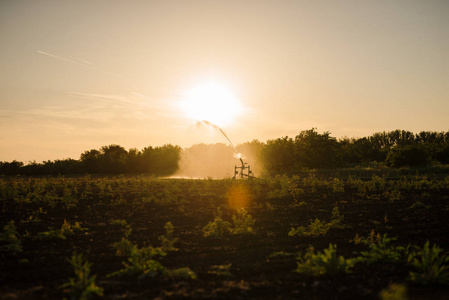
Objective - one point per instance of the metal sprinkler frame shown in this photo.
(243, 171)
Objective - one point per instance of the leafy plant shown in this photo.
(317, 227)
(183, 273)
(9, 237)
(430, 265)
(217, 227)
(326, 262)
(140, 261)
(394, 292)
(143, 261)
(65, 230)
(381, 250)
(126, 228)
(222, 270)
(338, 186)
(243, 223)
(167, 240)
(82, 286)
(35, 216)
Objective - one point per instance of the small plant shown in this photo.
(143, 261)
(66, 230)
(35, 216)
(371, 239)
(323, 263)
(430, 265)
(317, 227)
(217, 227)
(183, 273)
(243, 223)
(395, 195)
(82, 286)
(381, 250)
(394, 292)
(280, 254)
(338, 186)
(222, 270)
(9, 237)
(167, 240)
(126, 228)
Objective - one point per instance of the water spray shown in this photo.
(244, 171)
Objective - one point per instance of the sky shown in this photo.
(78, 75)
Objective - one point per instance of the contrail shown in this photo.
(76, 63)
(85, 61)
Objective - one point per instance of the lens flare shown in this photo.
(239, 196)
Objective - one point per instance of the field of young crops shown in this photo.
(280, 238)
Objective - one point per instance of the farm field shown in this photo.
(297, 237)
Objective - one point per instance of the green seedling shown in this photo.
(167, 240)
(82, 286)
(326, 262)
(381, 250)
(62, 233)
(9, 238)
(217, 227)
(317, 227)
(243, 223)
(430, 265)
(222, 271)
(394, 292)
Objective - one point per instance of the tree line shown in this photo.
(112, 159)
(313, 150)
(308, 150)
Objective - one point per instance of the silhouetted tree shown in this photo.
(10, 168)
(314, 150)
(442, 153)
(408, 155)
(134, 161)
(278, 156)
(360, 151)
(91, 161)
(113, 159)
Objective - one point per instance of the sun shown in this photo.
(211, 101)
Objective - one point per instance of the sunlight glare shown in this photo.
(211, 101)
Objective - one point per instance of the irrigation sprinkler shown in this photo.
(244, 171)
